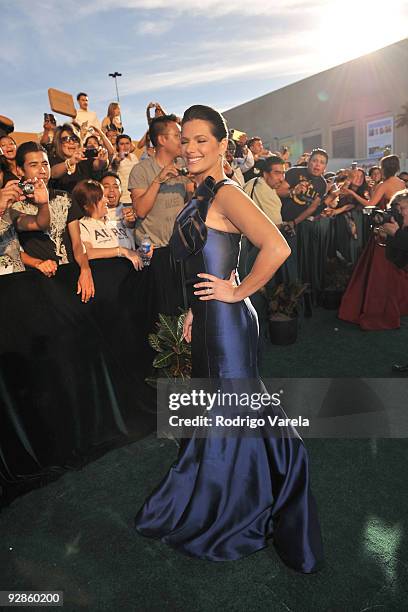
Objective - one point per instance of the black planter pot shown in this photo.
(283, 331)
(331, 298)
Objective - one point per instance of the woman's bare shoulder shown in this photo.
(235, 207)
(231, 193)
(392, 185)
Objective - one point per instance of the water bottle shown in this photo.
(144, 249)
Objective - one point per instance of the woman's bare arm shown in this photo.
(238, 208)
(375, 198)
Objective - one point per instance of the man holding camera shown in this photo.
(158, 193)
(12, 220)
(396, 231)
(57, 242)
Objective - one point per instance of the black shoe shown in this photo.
(400, 368)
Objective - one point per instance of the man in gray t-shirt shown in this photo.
(168, 201)
(158, 194)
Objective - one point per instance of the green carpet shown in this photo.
(76, 534)
(328, 347)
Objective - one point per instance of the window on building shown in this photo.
(343, 143)
(312, 142)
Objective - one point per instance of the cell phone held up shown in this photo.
(49, 118)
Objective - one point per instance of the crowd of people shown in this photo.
(144, 184)
(81, 193)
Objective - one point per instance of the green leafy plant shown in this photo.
(174, 353)
(284, 300)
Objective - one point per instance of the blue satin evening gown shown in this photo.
(225, 496)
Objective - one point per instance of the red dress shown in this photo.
(377, 294)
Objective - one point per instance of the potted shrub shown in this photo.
(174, 353)
(283, 309)
(336, 278)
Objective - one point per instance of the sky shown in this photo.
(178, 52)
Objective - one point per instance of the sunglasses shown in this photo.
(69, 139)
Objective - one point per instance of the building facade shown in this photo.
(350, 110)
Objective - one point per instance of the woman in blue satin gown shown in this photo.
(224, 497)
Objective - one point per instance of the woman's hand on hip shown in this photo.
(214, 288)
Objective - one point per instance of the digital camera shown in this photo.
(180, 164)
(26, 188)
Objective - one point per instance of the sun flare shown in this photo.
(352, 28)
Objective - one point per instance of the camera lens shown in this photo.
(26, 188)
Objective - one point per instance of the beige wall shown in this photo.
(368, 88)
